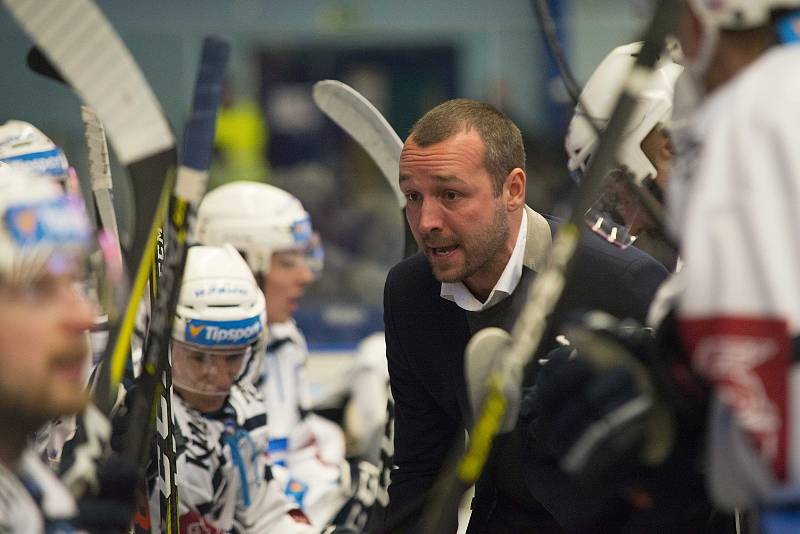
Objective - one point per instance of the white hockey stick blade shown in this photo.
(78, 38)
(100, 170)
(363, 122)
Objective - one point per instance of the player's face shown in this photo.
(285, 283)
(43, 349)
(452, 210)
(204, 376)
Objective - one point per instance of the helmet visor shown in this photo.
(204, 371)
(617, 215)
(309, 253)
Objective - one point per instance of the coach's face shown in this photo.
(456, 218)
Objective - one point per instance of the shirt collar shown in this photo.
(463, 297)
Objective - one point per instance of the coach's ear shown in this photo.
(514, 189)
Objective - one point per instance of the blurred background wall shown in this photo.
(406, 56)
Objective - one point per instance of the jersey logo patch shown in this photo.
(296, 491)
(747, 359)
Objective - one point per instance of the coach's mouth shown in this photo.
(442, 252)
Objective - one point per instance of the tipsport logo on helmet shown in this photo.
(223, 333)
(48, 162)
(59, 222)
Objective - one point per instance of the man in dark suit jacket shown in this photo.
(462, 171)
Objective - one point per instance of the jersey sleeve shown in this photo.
(740, 307)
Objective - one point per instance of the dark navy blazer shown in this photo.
(425, 340)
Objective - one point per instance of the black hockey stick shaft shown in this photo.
(556, 52)
(155, 380)
(651, 205)
(546, 290)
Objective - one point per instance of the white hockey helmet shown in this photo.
(716, 15)
(738, 14)
(23, 145)
(599, 96)
(258, 219)
(220, 318)
(42, 229)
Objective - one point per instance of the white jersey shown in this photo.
(283, 383)
(369, 392)
(308, 451)
(735, 198)
(33, 500)
(224, 481)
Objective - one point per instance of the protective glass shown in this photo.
(315, 254)
(207, 371)
(311, 253)
(617, 215)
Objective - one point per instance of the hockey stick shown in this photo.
(641, 189)
(501, 402)
(364, 123)
(556, 52)
(108, 233)
(100, 171)
(156, 381)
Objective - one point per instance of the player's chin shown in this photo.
(202, 402)
(65, 399)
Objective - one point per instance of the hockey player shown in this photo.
(224, 481)
(44, 243)
(733, 204)
(645, 151)
(24, 145)
(732, 336)
(273, 232)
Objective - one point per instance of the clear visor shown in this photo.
(315, 254)
(205, 371)
(617, 215)
(310, 253)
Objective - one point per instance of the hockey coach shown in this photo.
(462, 170)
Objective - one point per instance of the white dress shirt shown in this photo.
(506, 284)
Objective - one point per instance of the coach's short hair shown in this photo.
(504, 148)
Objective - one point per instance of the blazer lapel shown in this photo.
(538, 240)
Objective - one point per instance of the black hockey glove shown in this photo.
(595, 406)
